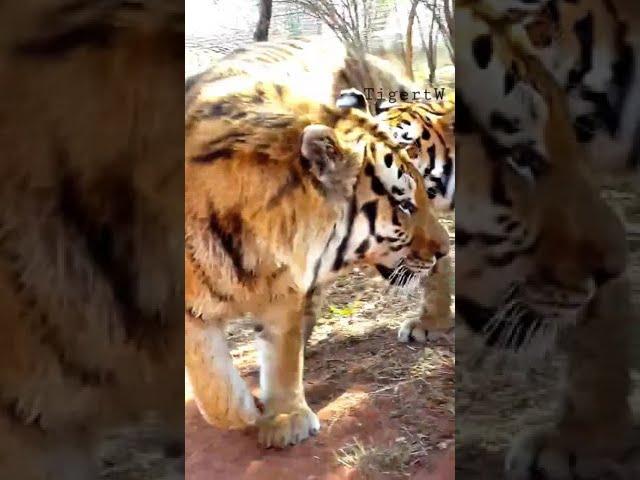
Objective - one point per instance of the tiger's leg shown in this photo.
(312, 307)
(595, 427)
(436, 320)
(222, 396)
(287, 418)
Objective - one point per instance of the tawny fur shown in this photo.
(256, 217)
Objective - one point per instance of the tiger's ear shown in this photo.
(333, 169)
(448, 121)
(352, 98)
(382, 106)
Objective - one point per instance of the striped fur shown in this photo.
(283, 193)
(425, 130)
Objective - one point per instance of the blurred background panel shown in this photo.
(91, 268)
(503, 388)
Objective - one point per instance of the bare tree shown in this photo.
(262, 30)
(351, 20)
(442, 14)
(449, 19)
(430, 47)
(408, 59)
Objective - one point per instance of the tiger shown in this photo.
(322, 67)
(426, 131)
(91, 190)
(339, 79)
(283, 192)
(545, 88)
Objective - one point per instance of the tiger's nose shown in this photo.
(439, 254)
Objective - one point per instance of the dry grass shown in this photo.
(373, 463)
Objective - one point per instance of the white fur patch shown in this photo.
(222, 396)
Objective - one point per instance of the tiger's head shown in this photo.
(536, 243)
(426, 131)
(389, 222)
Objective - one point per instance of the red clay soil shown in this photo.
(214, 454)
(390, 402)
(386, 409)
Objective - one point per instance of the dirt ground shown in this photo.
(387, 409)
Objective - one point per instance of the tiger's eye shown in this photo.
(407, 207)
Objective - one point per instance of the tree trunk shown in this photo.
(446, 23)
(432, 52)
(408, 60)
(262, 30)
(423, 42)
(449, 18)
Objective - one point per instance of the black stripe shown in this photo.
(509, 257)
(95, 35)
(463, 237)
(318, 265)
(431, 151)
(363, 247)
(482, 49)
(339, 261)
(229, 231)
(499, 121)
(509, 80)
(474, 315)
(583, 29)
(210, 157)
(477, 317)
(291, 184)
(633, 161)
(376, 185)
(370, 209)
(108, 239)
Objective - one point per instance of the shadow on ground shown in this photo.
(386, 411)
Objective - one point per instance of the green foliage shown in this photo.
(346, 311)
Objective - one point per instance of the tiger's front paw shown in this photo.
(414, 331)
(547, 454)
(282, 429)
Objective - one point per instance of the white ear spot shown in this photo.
(352, 98)
(523, 171)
